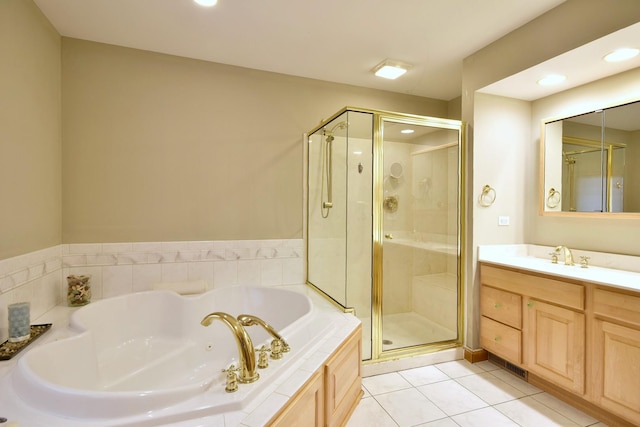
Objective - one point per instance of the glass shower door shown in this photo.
(327, 209)
(420, 238)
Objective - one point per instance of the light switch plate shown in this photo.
(503, 220)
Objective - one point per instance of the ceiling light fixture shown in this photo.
(206, 3)
(407, 131)
(621, 54)
(552, 79)
(390, 69)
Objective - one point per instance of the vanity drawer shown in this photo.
(503, 306)
(617, 305)
(502, 340)
(542, 288)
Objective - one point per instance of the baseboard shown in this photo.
(475, 356)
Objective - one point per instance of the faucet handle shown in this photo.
(276, 349)
(232, 379)
(584, 261)
(263, 360)
(554, 256)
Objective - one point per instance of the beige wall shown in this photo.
(158, 147)
(30, 136)
(570, 25)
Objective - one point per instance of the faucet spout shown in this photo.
(568, 256)
(246, 354)
(249, 320)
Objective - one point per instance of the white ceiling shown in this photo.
(333, 40)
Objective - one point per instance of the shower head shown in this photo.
(340, 125)
(329, 133)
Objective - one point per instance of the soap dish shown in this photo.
(10, 349)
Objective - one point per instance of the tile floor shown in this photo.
(459, 393)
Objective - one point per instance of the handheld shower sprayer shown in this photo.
(327, 166)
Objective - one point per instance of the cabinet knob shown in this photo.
(497, 305)
(497, 339)
(530, 304)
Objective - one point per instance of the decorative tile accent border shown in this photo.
(120, 268)
(17, 271)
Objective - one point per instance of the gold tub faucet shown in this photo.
(249, 320)
(246, 353)
(568, 256)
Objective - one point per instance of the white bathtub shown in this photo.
(145, 354)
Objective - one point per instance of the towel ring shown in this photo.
(553, 199)
(487, 197)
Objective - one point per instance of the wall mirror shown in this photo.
(591, 162)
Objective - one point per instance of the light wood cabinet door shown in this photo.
(343, 381)
(616, 366)
(554, 344)
(306, 408)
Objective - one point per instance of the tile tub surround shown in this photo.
(36, 278)
(622, 271)
(257, 413)
(119, 268)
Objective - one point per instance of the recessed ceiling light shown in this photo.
(206, 3)
(390, 69)
(552, 79)
(621, 54)
(407, 131)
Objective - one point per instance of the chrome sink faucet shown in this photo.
(246, 354)
(568, 256)
(249, 320)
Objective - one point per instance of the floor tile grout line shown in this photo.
(482, 370)
(387, 412)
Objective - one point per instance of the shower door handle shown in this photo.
(388, 236)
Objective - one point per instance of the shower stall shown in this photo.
(384, 226)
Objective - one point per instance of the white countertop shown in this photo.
(620, 271)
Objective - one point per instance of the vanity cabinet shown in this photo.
(329, 397)
(571, 336)
(616, 352)
(535, 322)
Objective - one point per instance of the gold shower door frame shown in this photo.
(377, 352)
(379, 117)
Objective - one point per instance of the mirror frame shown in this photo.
(542, 194)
